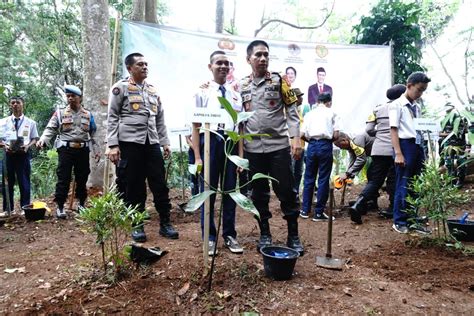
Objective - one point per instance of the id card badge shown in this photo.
(419, 138)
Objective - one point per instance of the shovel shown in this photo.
(328, 261)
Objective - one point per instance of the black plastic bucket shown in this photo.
(462, 231)
(279, 262)
(33, 214)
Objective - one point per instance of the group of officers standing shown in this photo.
(136, 131)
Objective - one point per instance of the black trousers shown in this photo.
(69, 158)
(276, 164)
(140, 163)
(381, 167)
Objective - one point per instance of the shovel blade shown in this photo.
(330, 263)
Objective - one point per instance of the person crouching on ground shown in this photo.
(359, 149)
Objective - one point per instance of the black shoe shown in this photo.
(321, 217)
(355, 215)
(265, 240)
(138, 234)
(294, 243)
(386, 213)
(166, 230)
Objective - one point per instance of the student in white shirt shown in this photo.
(207, 96)
(320, 127)
(407, 146)
(18, 134)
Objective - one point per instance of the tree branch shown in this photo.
(447, 74)
(266, 23)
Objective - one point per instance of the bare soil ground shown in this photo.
(386, 273)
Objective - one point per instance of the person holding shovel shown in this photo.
(274, 103)
(74, 127)
(207, 96)
(135, 131)
(18, 134)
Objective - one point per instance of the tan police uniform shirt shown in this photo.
(274, 104)
(71, 126)
(135, 113)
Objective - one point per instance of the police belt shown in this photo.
(66, 143)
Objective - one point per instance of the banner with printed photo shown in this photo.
(359, 75)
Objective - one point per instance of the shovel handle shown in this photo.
(331, 203)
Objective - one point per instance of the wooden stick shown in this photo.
(207, 210)
(108, 173)
(73, 192)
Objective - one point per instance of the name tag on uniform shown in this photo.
(272, 95)
(135, 98)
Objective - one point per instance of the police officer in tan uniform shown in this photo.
(136, 129)
(274, 103)
(75, 128)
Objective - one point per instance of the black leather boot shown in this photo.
(371, 205)
(265, 235)
(138, 233)
(355, 210)
(166, 229)
(293, 240)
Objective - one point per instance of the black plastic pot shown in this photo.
(279, 262)
(462, 232)
(32, 214)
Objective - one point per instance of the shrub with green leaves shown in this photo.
(111, 221)
(43, 173)
(435, 196)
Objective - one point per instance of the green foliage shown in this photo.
(177, 169)
(43, 173)
(434, 196)
(111, 221)
(396, 21)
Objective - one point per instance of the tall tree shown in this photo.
(398, 22)
(150, 11)
(97, 71)
(219, 16)
(138, 12)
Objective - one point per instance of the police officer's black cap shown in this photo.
(396, 91)
(324, 97)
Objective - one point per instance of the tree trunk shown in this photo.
(150, 12)
(96, 41)
(138, 11)
(219, 16)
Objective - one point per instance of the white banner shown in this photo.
(358, 74)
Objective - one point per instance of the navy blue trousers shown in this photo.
(18, 169)
(414, 157)
(216, 173)
(318, 162)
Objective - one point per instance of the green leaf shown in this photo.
(243, 116)
(228, 107)
(470, 137)
(468, 115)
(197, 200)
(235, 137)
(214, 132)
(249, 137)
(262, 176)
(447, 119)
(239, 162)
(457, 121)
(245, 203)
(447, 137)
